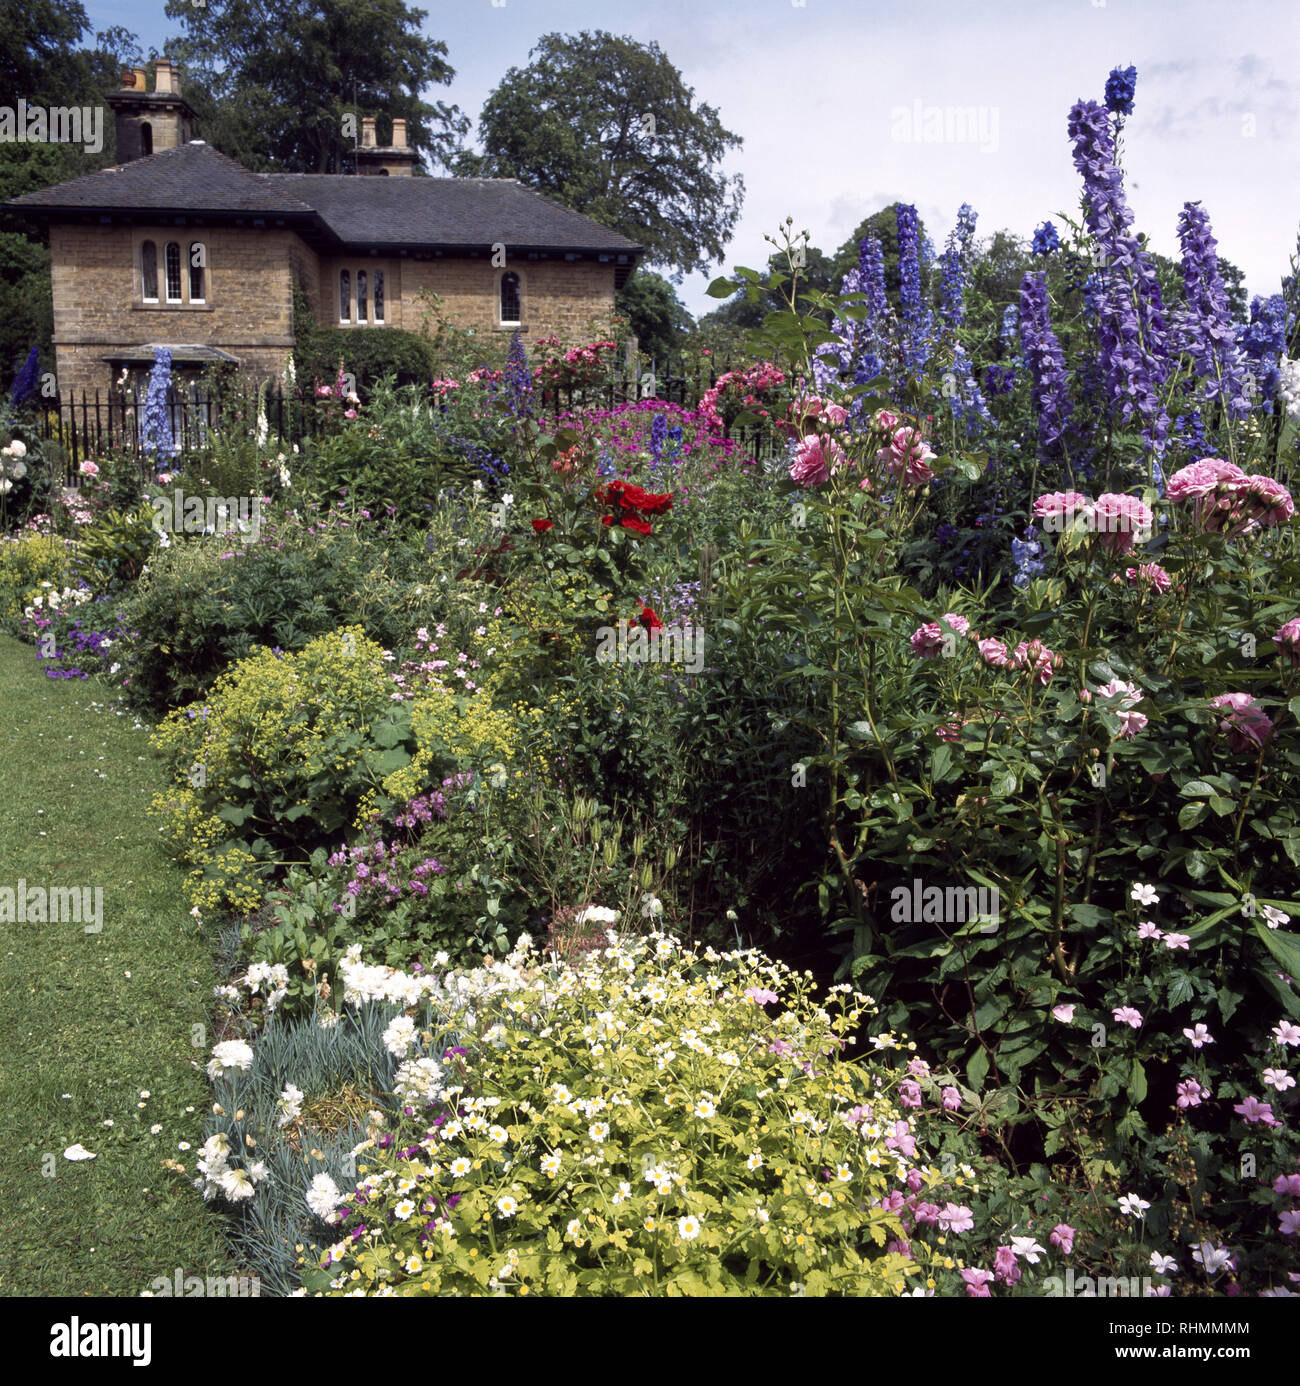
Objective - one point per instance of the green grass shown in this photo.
(89, 1020)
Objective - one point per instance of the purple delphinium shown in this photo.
(1131, 324)
(658, 433)
(518, 378)
(1025, 554)
(1046, 363)
(25, 380)
(956, 254)
(964, 396)
(1204, 329)
(859, 354)
(916, 320)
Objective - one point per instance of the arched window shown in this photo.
(379, 295)
(173, 263)
(510, 300)
(197, 254)
(362, 310)
(146, 139)
(345, 296)
(149, 271)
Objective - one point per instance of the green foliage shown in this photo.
(26, 561)
(113, 551)
(270, 90)
(655, 316)
(571, 124)
(368, 353)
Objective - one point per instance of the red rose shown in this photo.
(542, 525)
(649, 619)
(635, 525)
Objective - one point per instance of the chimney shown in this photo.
(399, 133)
(367, 132)
(162, 78)
(150, 121)
(141, 81)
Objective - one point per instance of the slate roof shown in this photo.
(411, 212)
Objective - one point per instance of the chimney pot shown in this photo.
(399, 134)
(128, 79)
(141, 82)
(368, 132)
(162, 78)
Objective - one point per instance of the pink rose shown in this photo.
(815, 456)
(1059, 508)
(1201, 478)
(886, 421)
(907, 457)
(994, 653)
(1150, 575)
(88, 469)
(1247, 726)
(1269, 501)
(1287, 641)
(1120, 521)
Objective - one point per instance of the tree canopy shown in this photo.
(271, 81)
(606, 126)
(655, 315)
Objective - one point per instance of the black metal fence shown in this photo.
(94, 424)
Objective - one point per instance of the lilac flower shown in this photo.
(1046, 362)
(1204, 328)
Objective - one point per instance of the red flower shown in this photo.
(635, 525)
(542, 525)
(649, 619)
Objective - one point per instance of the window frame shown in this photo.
(179, 296)
(345, 296)
(502, 320)
(145, 296)
(202, 272)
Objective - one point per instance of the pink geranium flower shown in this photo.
(1005, 1266)
(1190, 1093)
(1199, 1036)
(1148, 930)
(1063, 1237)
(952, 1101)
(954, 1218)
(1252, 1110)
(1127, 1015)
(1065, 1014)
(1247, 726)
(977, 1283)
(760, 995)
(909, 1093)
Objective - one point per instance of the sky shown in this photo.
(836, 101)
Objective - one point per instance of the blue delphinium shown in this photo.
(25, 380)
(965, 398)
(956, 254)
(1046, 363)
(1204, 329)
(1189, 430)
(518, 378)
(859, 354)
(1046, 239)
(1120, 86)
(999, 380)
(916, 318)
(1026, 555)
(1263, 340)
(156, 429)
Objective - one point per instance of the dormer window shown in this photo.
(149, 271)
(509, 300)
(173, 266)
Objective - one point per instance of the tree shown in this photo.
(607, 127)
(272, 81)
(655, 315)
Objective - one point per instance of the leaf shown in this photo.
(1137, 1084)
(1190, 815)
(1284, 947)
(977, 1067)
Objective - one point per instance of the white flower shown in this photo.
(1028, 1248)
(507, 1206)
(1275, 918)
(1279, 1078)
(289, 1105)
(1144, 895)
(236, 1184)
(230, 1056)
(1213, 1258)
(597, 914)
(403, 1210)
(399, 1036)
(754, 1161)
(550, 1165)
(688, 1228)
(1163, 1265)
(1133, 1205)
(460, 1167)
(323, 1195)
(78, 1152)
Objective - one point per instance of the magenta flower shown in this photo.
(918, 1068)
(1058, 510)
(1064, 1013)
(1005, 1266)
(926, 1213)
(1288, 1223)
(901, 1140)
(1199, 1036)
(1287, 1184)
(951, 1100)
(1247, 726)
(909, 1093)
(1127, 1015)
(1252, 1111)
(977, 1283)
(760, 995)
(1063, 1237)
(1150, 575)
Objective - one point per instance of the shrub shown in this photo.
(27, 560)
(633, 1126)
(367, 353)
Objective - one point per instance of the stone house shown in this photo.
(180, 246)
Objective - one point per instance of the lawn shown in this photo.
(92, 1020)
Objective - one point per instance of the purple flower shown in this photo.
(951, 1100)
(1204, 329)
(1046, 362)
(909, 1093)
(916, 318)
(977, 1283)
(1046, 239)
(1120, 86)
